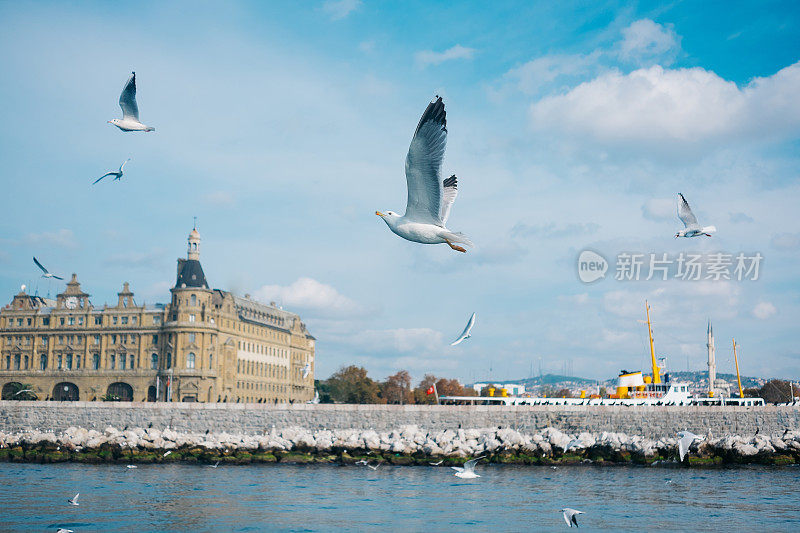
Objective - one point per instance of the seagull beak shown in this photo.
(379, 214)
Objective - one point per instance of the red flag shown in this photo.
(430, 390)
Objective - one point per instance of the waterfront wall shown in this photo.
(651, 421)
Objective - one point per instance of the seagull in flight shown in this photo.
(306, 370)
(166, 453)
(692, 228)
(214, 465)
(47, 273)
(429, 199)
(117, 175)
(685, 440)
(437, 464)
(374, 467)
(130, 111)
(362, 462)
(466, 333)
(468, 470)
(571, 516)
(131, 466)
(74, 500)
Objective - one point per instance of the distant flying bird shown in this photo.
(692, 228)
(374, 467)
(130, 111)
(46, 274)
(131, 466)
(468, 470)
(570, 516)
(466, 333)
(214, 465)
(429, 200)
(117, 175)
(362, 462)
(685, 440)
(306, 370)
(437, 464)
(74, 500)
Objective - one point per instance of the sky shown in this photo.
(572, 126)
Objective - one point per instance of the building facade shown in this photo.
(205, 345)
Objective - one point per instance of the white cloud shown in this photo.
(786, 241)
(309, 296)
(665, 109)
(63, 238)
(401, 340)
(659, 209)
(429, 57)
(741, 218)
(648, 42)
(548, 71)
(339, 9)
(154, 259)
(764, 310)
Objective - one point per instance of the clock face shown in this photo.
(71, 302)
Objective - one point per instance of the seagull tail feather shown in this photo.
(459, 238)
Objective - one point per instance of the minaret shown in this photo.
(712, 363)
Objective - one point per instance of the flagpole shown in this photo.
(436, 392)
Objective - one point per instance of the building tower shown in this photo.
(712, 363)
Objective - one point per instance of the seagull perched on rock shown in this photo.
(692, 228)
(685, 440)
(429, 199)
(466, 334)
(46, 274)
(74, 499)
(130, 111)
(468, 470)
(570, 516)
(117, 175)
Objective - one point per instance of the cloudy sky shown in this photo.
(283, 129)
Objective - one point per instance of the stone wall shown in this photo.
(653, 422)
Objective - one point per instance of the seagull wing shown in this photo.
(449, 193)
(127, 100)
(75, 499)
(457, 468)
(423, 165)
(38, 264)
(469, 466)
(685, 212)
(104, 175)
(465, 333)
(123, 164)
(58, 277)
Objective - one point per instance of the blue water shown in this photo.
(336, 498)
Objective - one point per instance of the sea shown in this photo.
(283, 497)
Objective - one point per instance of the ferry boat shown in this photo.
(633, 388)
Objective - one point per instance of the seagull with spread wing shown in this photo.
(692, 228)
(130, 110)
(46, 274)
(685, 441)
(429, 199)
(468, 470)
(466, 333)
(570, 516)
(74, 499)
(117, 175)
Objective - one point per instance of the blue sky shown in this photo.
(283, 129)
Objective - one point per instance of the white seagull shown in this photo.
(214, 465)
(63, 530)
(117, 175)
(361, 462)
(466, 333)
(131, 466)
(692, 228)
(306, 370)
(374, 467)
(685, 440)
(468, 470)
(166, 453)
(130, 111)
(570, 516)
(437, 464)
(46, 274)
(429, 200)
(74, 500)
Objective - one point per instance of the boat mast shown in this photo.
(656, 375)
(738, 377)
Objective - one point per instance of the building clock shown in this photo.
(71, 302)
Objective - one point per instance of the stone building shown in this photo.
(205, 345)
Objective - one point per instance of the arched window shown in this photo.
(194, 300)
(154, 361)
(43, 362)
(26, 362)
(211, 361)
(190, 360)
(16, 362)
(169, 360)
(96, 361)
(69, 361)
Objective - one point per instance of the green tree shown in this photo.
(351, 384)
(397, 388)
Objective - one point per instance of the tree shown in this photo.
(351, 385)
(485, 391)
(776, 391)
(19, 391)
(397, 388)
(563, 393)
(421, 392)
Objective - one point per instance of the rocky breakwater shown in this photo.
(407, 445)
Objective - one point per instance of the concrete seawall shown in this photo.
(653, 422)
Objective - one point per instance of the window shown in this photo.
(8, 362)
(60, 339)
(114, 320)
(69, 361)
(19, 322)
(46, 321)
(80, 320)
(156, 320)
(72, 321)
(60, 361)
(97, 339)
(96, 361)
(155, 339)
(191, 318)
(29, 321)
(123, 359)
(133, 320)
(169, 360)
(43, 362)
(133, 361)
(154, 361)
(113, 339)
(26, 362)
(190, 360)
(194, 300)
(191, 337)
(78, 362)
(124, 320)
(98, 321)
(61, 321)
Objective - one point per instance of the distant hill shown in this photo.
(547, 379)
(699, 375)
(556, 379)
